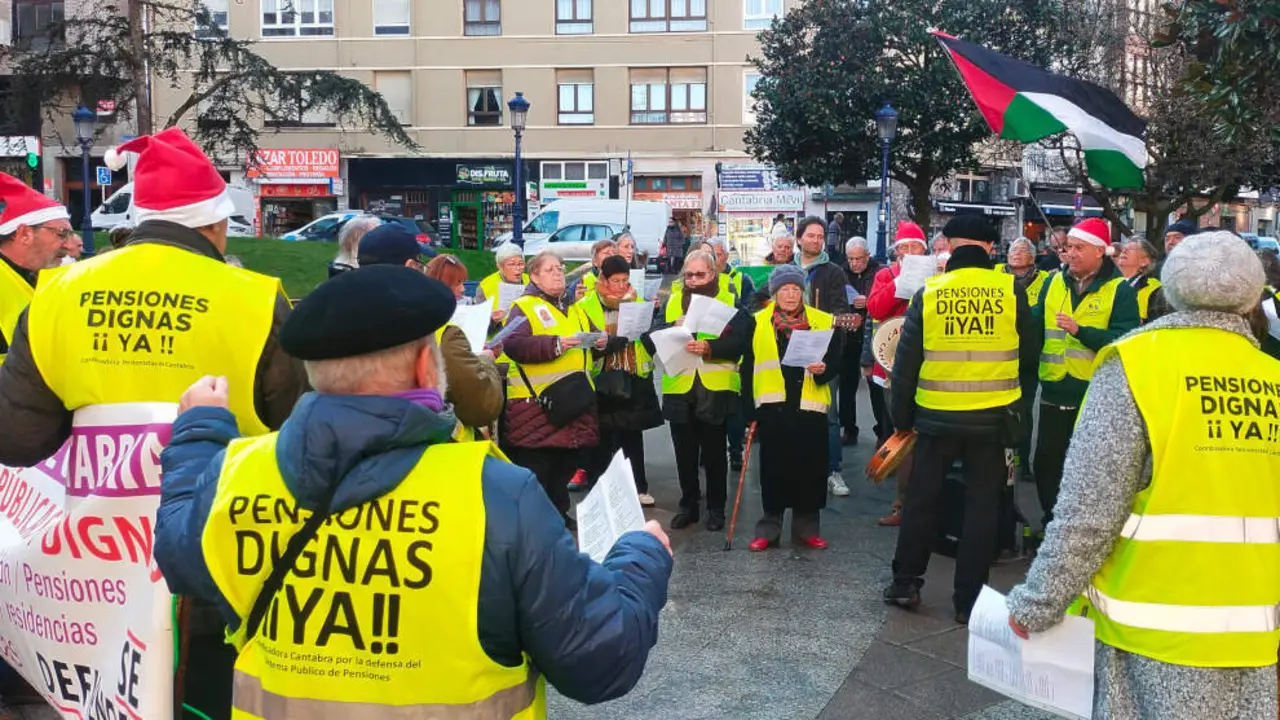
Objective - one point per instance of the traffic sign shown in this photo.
(104, 175)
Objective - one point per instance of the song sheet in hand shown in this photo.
(707, 315)
(473, 320)
(507, 294)
(915, 270)
(634, 319)
(610, 510)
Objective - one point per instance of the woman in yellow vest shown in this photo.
(791, 406)
(1137, 260)
(1022, 266)
(510, 261)
(545, 350)
(1166, 519)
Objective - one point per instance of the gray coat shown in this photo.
(1108, 463)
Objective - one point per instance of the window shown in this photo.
(661, 96)
(290, 18)
(33, 18)
(484, 97)
(749, 81)
(668, 16)
(482, 17)
(390, 17)
(396, 87)
(296, 109)
(577, 97)
(690, 183)
(757, 14)
(573, 17)
(217, 10)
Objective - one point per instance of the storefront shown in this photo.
(576, 179)
(683, 194)
(858, 204)
(294, 187)
(748, 217)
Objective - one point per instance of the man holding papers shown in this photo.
(968, 346)
(791, 396)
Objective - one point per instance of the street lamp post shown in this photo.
(887, 124)
(84, 119)
(519, 108)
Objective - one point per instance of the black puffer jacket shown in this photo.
(988, 425)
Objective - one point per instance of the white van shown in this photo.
(569, 227)
(118, 210)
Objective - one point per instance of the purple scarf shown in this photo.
(428, 398)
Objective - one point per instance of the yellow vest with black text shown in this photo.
(1194, 577)
(591, 317)
(1063, 354)
(970, 341)
(461, 433)
(1033, 290)
(379, 617)
(1144, 297)
(545, 319)
(142, 323)
(15, 295)
(767, 383)
(716, 375)
(489, 285)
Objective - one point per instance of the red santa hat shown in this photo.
(25, 206)
(1094, 231)
(909, 232)
(174, 180)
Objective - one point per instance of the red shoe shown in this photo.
(894, 518)
(816, 543)
(578, 482)
(758, 545)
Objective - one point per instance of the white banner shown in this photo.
(86, 617)
(762, 201)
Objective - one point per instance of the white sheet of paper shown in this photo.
(473, 320)
(610, 510)
(507, 293)
(637, 282)
(634, 319)
(668, 345)
(707, 315)
(506, 331)
(1052, 671)
(806, 347)
(589, 339)
(915, 270)
(651, 287)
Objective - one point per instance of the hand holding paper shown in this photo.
(610, 510)
(806, 347)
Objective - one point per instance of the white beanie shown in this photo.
(1213, 271)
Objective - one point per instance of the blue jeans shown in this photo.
(835, 450)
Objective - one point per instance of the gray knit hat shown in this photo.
(785, 275)
(1213, 271)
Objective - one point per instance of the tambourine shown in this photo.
(890, 455)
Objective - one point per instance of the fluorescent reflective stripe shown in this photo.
(1197, 619)
(970, 355)
(1055, 334)
(249, 696)
(1075, 354)
(768, 365)
(720, 366)
(968, 385)
(1203, 528)
(548, 378)
(1052, 359)
(773, 397)
(814, 406)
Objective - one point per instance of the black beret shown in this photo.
(614, 265)
(971, 227)
(389, 244)
(364, 311)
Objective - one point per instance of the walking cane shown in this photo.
(742, 479)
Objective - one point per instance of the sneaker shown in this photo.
(904, 594)
(646, 500)
(835, 483)
(578, 482)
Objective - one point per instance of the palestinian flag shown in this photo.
(1025, 103)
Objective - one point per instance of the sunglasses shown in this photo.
(697, 275)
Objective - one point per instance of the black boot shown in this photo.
(735, 462)
(715, 520)
(903, 593)
(685, 518)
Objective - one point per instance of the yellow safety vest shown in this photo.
(1144, 297)
(378, 618)
(15, 295)
(718, 376)
(489, 285)
(589, 280)
(1063, 354)
(142, 323)
(970, 341)
(591, 315)
(1033, 290)
(545, 319)
(1194, 578)
(767, 383)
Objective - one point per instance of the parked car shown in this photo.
(322, 229)
(646, 219)
(1268, 243)
(118, 211)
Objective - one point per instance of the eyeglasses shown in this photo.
(63, 234)
(697, 275)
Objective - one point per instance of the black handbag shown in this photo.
(614, 384)
(564, 400)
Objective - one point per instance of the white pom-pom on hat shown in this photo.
(115, 159)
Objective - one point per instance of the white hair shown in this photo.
(349, 238)
(856, 242)
(1022, 242)
(505, 252)
(384, 372)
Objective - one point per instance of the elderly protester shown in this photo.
(549, 423)
(698, 402)
(349, 243)
(510, 261)
(599, 251)
(1137, 262)
(626, 400)
(511, 603)
(782, 250)
(1021, 264)
(1055, 257)
(626, 244)
(1164, 524)
(791, 405)
(860, 273)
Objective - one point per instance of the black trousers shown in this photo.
(880, 411)
(1056, 426)
(631, 443)
(985, 476)
(553, 467)
(697, 443)
(850, 377)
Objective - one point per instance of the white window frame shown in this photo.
(749, 79)
(486, 26)
(674, 101)
(662, 16)
(396, 28)
(760, 20)
(287, 18)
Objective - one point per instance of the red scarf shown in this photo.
(784, 323)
